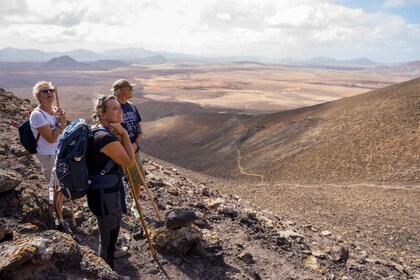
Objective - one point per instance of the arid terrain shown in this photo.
(320, 149)
(243, 87)
(368, 138)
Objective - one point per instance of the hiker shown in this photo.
(104, 198)
(123, 90)
(49, 122)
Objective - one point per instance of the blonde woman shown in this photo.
(109, 149)
(47, 123)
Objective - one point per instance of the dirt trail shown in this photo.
(239, 156)
(243, 172)
(386, 217)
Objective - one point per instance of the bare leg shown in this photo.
(58, 203)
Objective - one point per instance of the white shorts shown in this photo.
(48, 170)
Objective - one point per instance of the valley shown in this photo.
(245, 88)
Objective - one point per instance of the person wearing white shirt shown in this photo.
(47, 123)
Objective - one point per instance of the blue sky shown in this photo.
(409, 10)
(384, 31)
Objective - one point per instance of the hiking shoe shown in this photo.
(121, 252)
(138, 233)
(64, 227)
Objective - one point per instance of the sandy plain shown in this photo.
(250, 88)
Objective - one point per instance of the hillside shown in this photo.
(369, 138)
(217, 235)
(410, 68)
(64, 62)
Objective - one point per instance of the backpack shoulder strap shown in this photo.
(39, 134)
(132, 106)
(39, 110)
(110, 163)
(107, 167)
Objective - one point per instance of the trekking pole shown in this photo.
(73, 218)
(140, 212)
(56, 97)
(148, 192)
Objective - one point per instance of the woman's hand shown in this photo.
(118, 129)
(61, 117)
(121, 152)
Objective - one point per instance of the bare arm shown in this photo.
(49, 134)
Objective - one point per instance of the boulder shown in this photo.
(8, 180)
(176, 241)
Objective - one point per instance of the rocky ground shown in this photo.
(209, 229)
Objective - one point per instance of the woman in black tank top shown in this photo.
(109, 146)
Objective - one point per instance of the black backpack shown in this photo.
(27, 138)
(70, 165)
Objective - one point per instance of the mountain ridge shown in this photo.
(137, 54)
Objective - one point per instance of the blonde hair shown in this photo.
(36, 90)
(101, 105)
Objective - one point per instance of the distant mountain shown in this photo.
(288, 60)
(157, 58)
(129, 53)
(412, 68)
(414, 64)
(126, 55)
(360, 61)
(323, 60)
(328, 62)
(81, 55)
(27, 55)
(180, 56)
(64, 62)
(141, 55)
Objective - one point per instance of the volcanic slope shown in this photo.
(368, 138)
(225, 238)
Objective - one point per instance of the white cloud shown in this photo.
(214, 27)
(399, 3)
(224, 16)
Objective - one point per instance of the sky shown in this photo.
(385, 31)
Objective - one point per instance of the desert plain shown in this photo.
(250, 88)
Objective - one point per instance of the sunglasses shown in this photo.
(47, 90)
